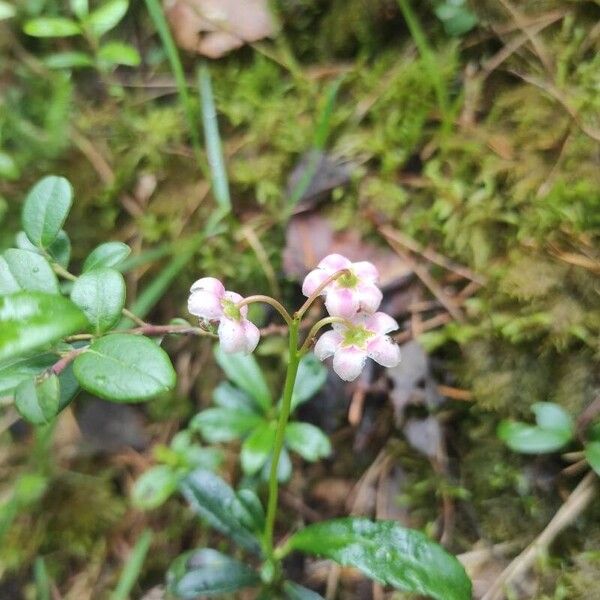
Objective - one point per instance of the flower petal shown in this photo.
(384, 350)
(327, 344)
(342, 302)
(381, 323)
(370, 297)
(235, 298)
(252, 334)
(348, 362)
(365, 271)
(313, 280)
(232, 336)
(333, 263)
(205, 305)
(208, 284)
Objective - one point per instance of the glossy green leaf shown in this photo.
(284, 467)
(68, 60)
(552, 416)
(7, 10)
(119, 53)
(38, 401)
(592, 455)
(51, 27)
(125, 368)
(59, 249)
(80, 8)
(24, 270)
(109, 254)
(217, 503)
(293, 591)
(309, 380)
(154, 487)
(31, 320)
(101, 296)
(244, 371)
(224, 425)
(254, 508)
(388, 553)
(207, 573)
(45, 209)
(106, 17)
(307, 440)
(69, 387)
(15, 370)
(257, 448)
(232, 398)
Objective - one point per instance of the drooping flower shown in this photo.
(355, 290)
(350, 344)
(210, 301)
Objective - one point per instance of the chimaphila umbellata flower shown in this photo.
(361, 337)
(210, 301)
(350, 293)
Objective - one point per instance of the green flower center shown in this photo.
(356, 336)
(230, 309)
(347, 280)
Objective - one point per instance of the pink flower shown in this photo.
(354, 291)
(351, 345)
(210, 301)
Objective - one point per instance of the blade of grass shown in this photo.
(42, 580)
(133, 567)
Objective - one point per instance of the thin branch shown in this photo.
(271, 302)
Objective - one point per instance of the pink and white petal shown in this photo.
(235, 298)
(348, 362)
(313, 280)
(365, 271)
(381, 323)
(205, 305)
(370, 297)
(208, 284)
(333, 263)
(384, 350)
(327, 344)
(342, 302)
(252, 335)
(232, 336)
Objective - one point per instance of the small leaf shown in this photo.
(244, 371)
(154, 487)
(109, 254)
(293, 591)
(552, 416)
(30, 320)
(258, 447)
(592, 455)
(45, 209)
(232, 398)
(125, 368)
(38, 401)
(309, 380)
(44, 27)
(223, 425)
(254, 508)
(388, 553)
(307, 440)
(80, 8)
(206, 572)
(119, 53)
(9, 169)
(59, 250)
(101, 296)
(68, 60)
(15, 370)
(29, 270)
(215, 501)
(106, 17)
(284, 468)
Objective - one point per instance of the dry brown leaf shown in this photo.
(215, 27)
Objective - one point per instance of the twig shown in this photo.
(59, 366)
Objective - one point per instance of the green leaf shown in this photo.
(307, 440)
(232, 398)
(119, 53)
(30, 320)
(125, 368)
(44, 27)
(59, 250)
(223, 425)
(552, 416)
(255, 509)
(244, 371)
(592, 455)
(45, 209)
(293, 591)
(68, 60)
(309, 380)
(388, 553)
(258, 447)
(80, 8)
(106, 17)
(24, 270)
(154, 487)
(7, 10)
(101, 296)
(217, 503)
(594, 432)
(109, 254)
(69, 387)
(284, 468)
(38, 401)
(206, 572)
(15, 370)
(9, 169)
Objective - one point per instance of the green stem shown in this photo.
(284, 415)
